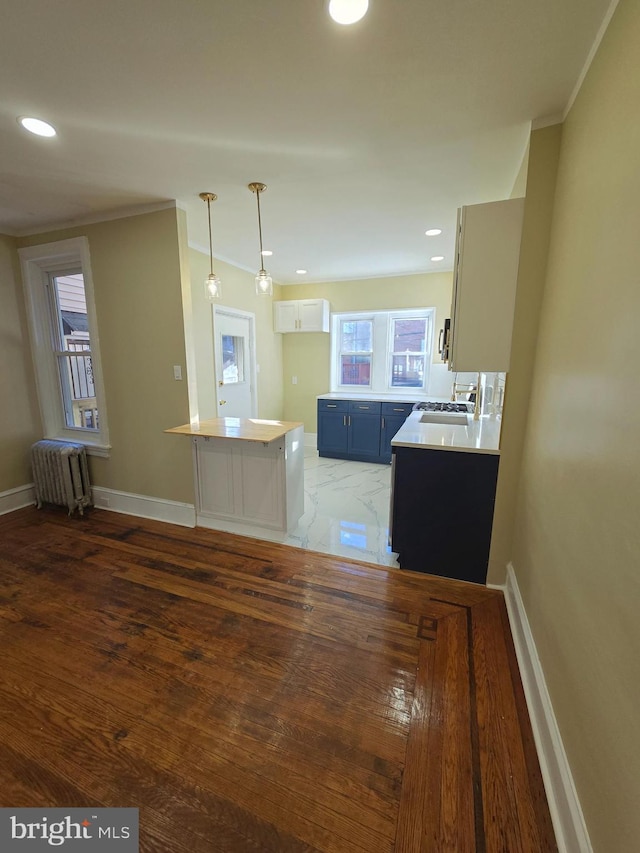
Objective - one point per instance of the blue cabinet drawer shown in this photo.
(362, 407)
(333, 405)
(397, 408)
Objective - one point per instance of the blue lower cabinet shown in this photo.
(333, 429)
(359, 429)
(364, 436)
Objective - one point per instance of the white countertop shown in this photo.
(383, 398)
(481, 436)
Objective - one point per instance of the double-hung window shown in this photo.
(382, 351)
(64, 337)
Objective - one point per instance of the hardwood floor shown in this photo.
(248, 696)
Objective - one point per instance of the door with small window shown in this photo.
(234, 338)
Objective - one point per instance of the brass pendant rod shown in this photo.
(210, 241)
(209, 197)
(262, 269)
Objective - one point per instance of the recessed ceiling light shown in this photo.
(37, 126)
(438, 258)
(267, 253)
(348, 11)
(433, 232)
(301, 272)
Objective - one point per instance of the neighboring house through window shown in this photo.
(382, 351)
(64, 341)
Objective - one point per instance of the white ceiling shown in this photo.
(365, 135)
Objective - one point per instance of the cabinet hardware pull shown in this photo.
(332, 405)
(398, 410)
(344, 420)
(383, 423)
(349, 420)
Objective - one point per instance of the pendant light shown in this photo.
(264, 282)
(212, 284)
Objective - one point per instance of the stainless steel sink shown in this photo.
(443, 418)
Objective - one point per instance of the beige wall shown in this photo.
(577, 542)
(20, 422)
(238, 291)
(542, 166)
(307, 355)
(137, 279)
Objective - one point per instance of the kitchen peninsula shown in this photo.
(443, 494)
(247, 470)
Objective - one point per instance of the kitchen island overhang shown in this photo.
(247, 470)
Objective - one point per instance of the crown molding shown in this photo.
(590, 56)
(94, 218)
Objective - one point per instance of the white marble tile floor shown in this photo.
(346, 511)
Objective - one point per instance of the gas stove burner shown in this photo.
(441, 407)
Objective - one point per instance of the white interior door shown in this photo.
(234, 337)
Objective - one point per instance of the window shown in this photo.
(382, 350)
(61, 312)
(356, 352)
(232, 359)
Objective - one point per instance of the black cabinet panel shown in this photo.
(442, 513)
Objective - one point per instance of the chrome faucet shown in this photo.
(470, 389)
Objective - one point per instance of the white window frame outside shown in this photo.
(382, 351)
(38, 264)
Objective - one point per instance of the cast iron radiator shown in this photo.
(60, 474)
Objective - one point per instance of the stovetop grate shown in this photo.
(429, 406)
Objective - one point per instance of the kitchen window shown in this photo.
(382, 351)
(64, 338)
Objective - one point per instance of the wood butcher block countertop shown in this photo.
(248, 429)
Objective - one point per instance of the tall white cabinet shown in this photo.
(484, 286)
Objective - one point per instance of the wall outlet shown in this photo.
(177, 371)
(294, 380)
(101, 500)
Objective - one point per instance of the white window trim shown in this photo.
(381, 360)
(37, 262)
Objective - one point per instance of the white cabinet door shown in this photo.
(214, 467)
(285, 316)
(313, 315)
(301, 315)
(484, 286)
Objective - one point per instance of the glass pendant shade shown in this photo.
(212, 287)
(264, 284)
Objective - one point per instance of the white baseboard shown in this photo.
(566, 813)
(14, 499)
(144, 506)
(311, 439)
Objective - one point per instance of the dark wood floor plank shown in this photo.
(437, 804)
(247, 696)
(505, 772)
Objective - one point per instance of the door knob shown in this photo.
(222, 402)
(221, 382)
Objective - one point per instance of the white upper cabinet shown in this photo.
(301, 315)
(484, 285)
